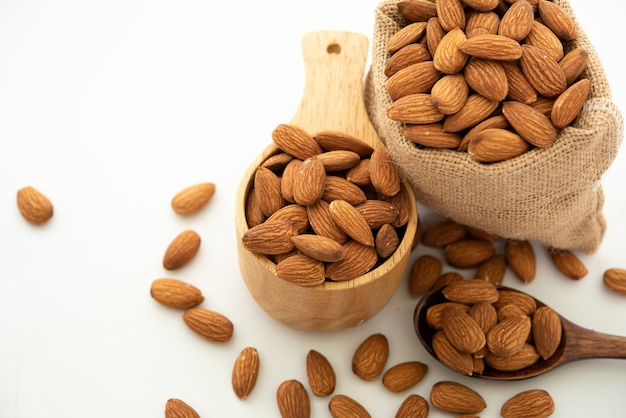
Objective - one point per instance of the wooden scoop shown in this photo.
(332, 101)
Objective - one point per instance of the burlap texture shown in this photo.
(552, 195)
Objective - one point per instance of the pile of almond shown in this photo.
(487, 77)
(325, 207)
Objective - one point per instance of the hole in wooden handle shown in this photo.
(333, 48)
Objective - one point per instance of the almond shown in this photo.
(445, 279)
(569, 104)
(318, 247)
(529, 123)
(568, 263)
(520, 256)
(517, 21)
(507, 337)
(443, 233)
(293, 400)
(377, 212)
(415, 78)
(425, 270)
(386, 241)
(557, 20)
(435, 313)
(293, 214)
(322, 222)
(402, 203)
(451, 14)
(309, 182)
(487, 78)
(254, 214)
(337, 187)
(456, 398)
(370, 357)
(413, 406)
(484, 314)
(476, 109)
(615, 279)
(192, 198)
(543, 38)
(358, 260)
(482, 5)
(417, 10)
(519, 88)
(342, 406)
(414, 108)
(535, 403)
(350, 220)
(449, 93)
(320, 374)
(468, 253)
(269, 195)
(34, 206)
(483, 22)
(277, 162)
(405, 36)
(497, 121)
(434, 34)
(335, 140)
(525, 357)
(270, 238)
(407, 55)
(573, 64)
(512, 297)
(542, 71)
(295, 141)
(339, 160)
(494, 145)
(492, 269)
(404, 376)
(383, 173)
(431, 135)
(181, 250)
(471, 291)
(508, 311)
(452, 357)
(302, 270)
(175, 293)
(287, 179)
(245, 372)
(360, 173)
(547, 331)
(462, 331)
(175, 408)
(492, 47)
(448, 57)
(210, 325)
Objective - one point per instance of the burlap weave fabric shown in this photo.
(552, 195)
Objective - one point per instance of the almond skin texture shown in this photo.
(320, 374)
(476, 109)
(175, 408)
(471, 291)
(322, 222)
(449, 93)
(318, 247)
(370, 357)
(295, 141)
(415, 108)
(450, 356)
(492, 47)
(383, 173)
(358, 260)
(557, 20)
(404, 376)
(175, 293)
(431, 135)
(407, 55)
(181, 250)
(547, 331)
(293, 400)
(507, 337)
(451, 14)
(335, 140)
(342, 406)
(417, 10)
(309, 182)
(34, 206)
(542, 71)
(495, 144)
(386, 241)
(425, 270)
(344, 188)
(351, 222)
(615, 279)
(517, 21)
(456, 398)
(568, 264)
(569, 104)
(269, 195)
(245, 372)
(462, 331)
(529, 123)
(527, 356)
(210, 325)
(405, 36)
(448, 57)
(534, 403)
(192, 198)
(302, 270)
(520, 256)
(468, 253)
(443, 233)
(487, 78)
(414, 406)
(573, 64)
(416, 78)
(273, 237)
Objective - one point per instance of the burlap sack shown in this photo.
(551, 195)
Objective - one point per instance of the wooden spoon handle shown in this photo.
(583, 343)
(333, 93)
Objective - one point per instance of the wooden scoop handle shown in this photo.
(333, 93)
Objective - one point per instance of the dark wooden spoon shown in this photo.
(577, 343)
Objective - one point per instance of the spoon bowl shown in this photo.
(577, 343)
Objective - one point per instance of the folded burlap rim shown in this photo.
(552, 195)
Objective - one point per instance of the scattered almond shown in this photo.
(413, 406)
(34, 206)
(456, 398)
(404, 376)
(568, 263)
(534, 403)
(343, 406)
(370, 357)
(175, 293)
(192, 198)
(615, 279)
(210, 325)
(293, 400)
(320, 374)
(181, 250)
(175, 408)
(245, 372)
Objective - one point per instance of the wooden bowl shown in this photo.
(332, 100)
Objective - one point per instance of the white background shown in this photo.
(111, 107)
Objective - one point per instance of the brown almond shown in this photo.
(482, 5)
(309, 182)
(181, 250)
(210, 325)
(322, 222)
(293, 214)
(493, 269)
(175, 293)
(471, 291)
(456, 398)
(543, 38)
(507, 311)
(270, 238)
(425, 270)
(520, 256)
(360, 173)
(175, 408)
(318, 247)
(245, 372)
(320, 374)
(445, 279)
(337, 141)
(495, 145)
(277, 162)
(615, 279)
(293, 400)
(507, 337)
(386, 241)
(544, 105)
(487, 78)
(443, 233)
(573, 64)
(525, 357)
(451, 14)
(407, 55)
(414, 108)
(192, 198)
(254, 214)
(547, 330)
(404, 376)
(569, 104)
(492, 47)
(287, 179)
(468, 253)
(413, 406)
(497, 121)
(483, 22)
(402, 202)
(512, 297)
(462, 331)
(269, 195)
(383, 173)
(343, 406)
(339, 160)
(568, 263)
(406, 35)
(370, 357)
(431, 135)
(529, 123)
(484, 314)
(337, 187)
(377, 212)
(350, 220)
(358, 260)
(476, 109)
(519, 88)
(302, 270)
(34, 206)
(449, 93)
(435, 313)
(296, 141)
(448, 57)
(517, 22)
(536, 403)
(450, 356)
(542, 71)
(416, 78)
(434, 34)
(417, 10)
(557, 20)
